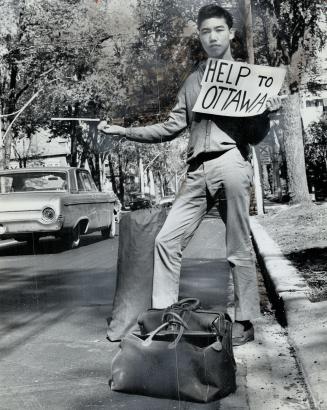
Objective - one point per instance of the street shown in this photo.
(53, 278)
(54, 306)
(53, 350)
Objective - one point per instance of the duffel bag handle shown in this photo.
(187, 304)
(183, 305)
(176, 319)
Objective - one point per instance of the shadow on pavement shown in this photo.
(53, 325)
(116, 400)
(56, 288)
(46, 246)
(31, 305)
(207, 280)
(312, 264)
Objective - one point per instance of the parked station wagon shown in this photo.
(62, 202)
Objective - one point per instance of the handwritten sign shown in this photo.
(237, 89)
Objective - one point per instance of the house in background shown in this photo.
(314, 107)
(39, 151)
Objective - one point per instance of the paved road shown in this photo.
(52, 278)
(53, 309)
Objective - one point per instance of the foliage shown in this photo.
(153, 65)
(68, 50)
(53, 47)
(316, 144)
(289, 33)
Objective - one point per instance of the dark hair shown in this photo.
(212, 10)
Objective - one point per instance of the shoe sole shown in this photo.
(242, 341)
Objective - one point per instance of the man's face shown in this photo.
(215, 37)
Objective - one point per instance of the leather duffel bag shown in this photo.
(196, 318)
(175, 362)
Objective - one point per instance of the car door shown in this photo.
(86, 197)
(101, 208)
(104, 206)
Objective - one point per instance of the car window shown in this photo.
(80, 184)
(33, 181)
(6, 183)
(91, 182)
(85, 182)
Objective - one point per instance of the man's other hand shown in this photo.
(111, 129)
(273, 103)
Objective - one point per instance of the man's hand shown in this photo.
(273, 103)
(111, 129)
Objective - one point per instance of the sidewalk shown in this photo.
(61, 359)
(306, 321)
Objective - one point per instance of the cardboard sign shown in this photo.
(235, 89)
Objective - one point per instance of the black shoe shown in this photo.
(242, 334)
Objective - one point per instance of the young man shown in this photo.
(219, 174)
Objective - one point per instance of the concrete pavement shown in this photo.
(306, 321)
(53, 351)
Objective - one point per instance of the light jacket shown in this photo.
(208, 133)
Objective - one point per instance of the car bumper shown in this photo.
(8, 229)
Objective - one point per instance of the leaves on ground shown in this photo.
(301, 233)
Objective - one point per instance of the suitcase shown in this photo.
(176, 362)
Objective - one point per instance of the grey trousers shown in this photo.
(225, 182)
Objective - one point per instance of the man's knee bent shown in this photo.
(169, 245)
(161, 240)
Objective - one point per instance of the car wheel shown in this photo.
(109, 232)
(74, 237)
(112, 228)
(105, 232)
(116, 216)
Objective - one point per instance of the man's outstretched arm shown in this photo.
(161, 132)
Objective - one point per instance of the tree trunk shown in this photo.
(162, 192)
(112, 175)
(96, 175)
(121, 181)
(294, 151)
(276, 180)
(265, 180)
(73, 145)
(91, 163)
(256, 200)
(2, 143)
(8, 108)
(5, 149)
(82, 159)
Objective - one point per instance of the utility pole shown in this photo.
(141, 171)
(73, 137)
(2, 187)
(256, 163)
(1, 140)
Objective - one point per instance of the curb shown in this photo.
(306, 321)
(282, 279)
